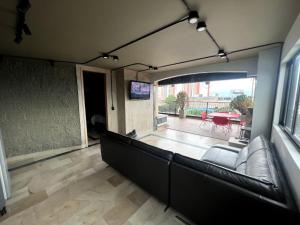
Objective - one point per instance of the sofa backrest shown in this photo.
(256, 161)
(147, 166)
(262, 187)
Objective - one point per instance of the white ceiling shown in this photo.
(77, 30)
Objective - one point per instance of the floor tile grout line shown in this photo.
(189, 132)
(181, 142)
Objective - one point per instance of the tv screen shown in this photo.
(139, 90)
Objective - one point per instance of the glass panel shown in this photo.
(294, 79)
(297, 123)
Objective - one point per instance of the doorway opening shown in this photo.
(95, 104)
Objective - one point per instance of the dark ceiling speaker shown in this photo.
(26, 29)
(24, 6)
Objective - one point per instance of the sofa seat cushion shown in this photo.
(221, 156)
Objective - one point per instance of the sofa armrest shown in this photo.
(221, 156)
(226, 147)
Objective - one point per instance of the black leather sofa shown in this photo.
(228, 186)
(147, 166)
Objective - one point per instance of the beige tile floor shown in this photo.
(79, 189)
(187, 144)
(189, 138)
(176, 147)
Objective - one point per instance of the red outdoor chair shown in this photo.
(204, 119)
(203, 115)
(223, 123)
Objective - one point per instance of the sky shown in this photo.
(224, 88)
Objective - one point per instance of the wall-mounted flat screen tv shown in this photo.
(139, 90)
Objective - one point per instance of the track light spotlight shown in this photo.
(155, 68)
(105, 56)
(115, 58)
(221, 52)
(150, 67)
(193, 17)
(201, 26)
(224, 56)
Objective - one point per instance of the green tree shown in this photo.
(242, 103)
(171, 99)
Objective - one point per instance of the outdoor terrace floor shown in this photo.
(196, 126)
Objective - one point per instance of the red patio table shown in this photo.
(226, 115)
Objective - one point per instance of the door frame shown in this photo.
(81, 99)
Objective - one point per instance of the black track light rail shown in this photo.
(213, 39)
(229, 53)
(255, 47)
(186, 5)
(132, 64)
(187, 61)
(143, 64)
(207, 31)
(149, 34)
(140, 38)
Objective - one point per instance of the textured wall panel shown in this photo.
(38, 106)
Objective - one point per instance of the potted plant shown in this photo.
(243, 104)
(181, 100)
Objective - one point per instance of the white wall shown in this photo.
(242, 65)
(289, 152)
(265, 91)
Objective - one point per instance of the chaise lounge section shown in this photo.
(228, 183)
(225, 185)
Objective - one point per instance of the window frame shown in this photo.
(290, 67)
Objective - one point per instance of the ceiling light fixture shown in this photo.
(221, 52)
(193, 17)
(115, 58)
(201, 26)
(150, 67)
(224, 56)
(105, 56)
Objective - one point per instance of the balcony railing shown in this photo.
(194, 108)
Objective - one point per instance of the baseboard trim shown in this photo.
(20, 160)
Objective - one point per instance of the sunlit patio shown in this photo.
(202, 128)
